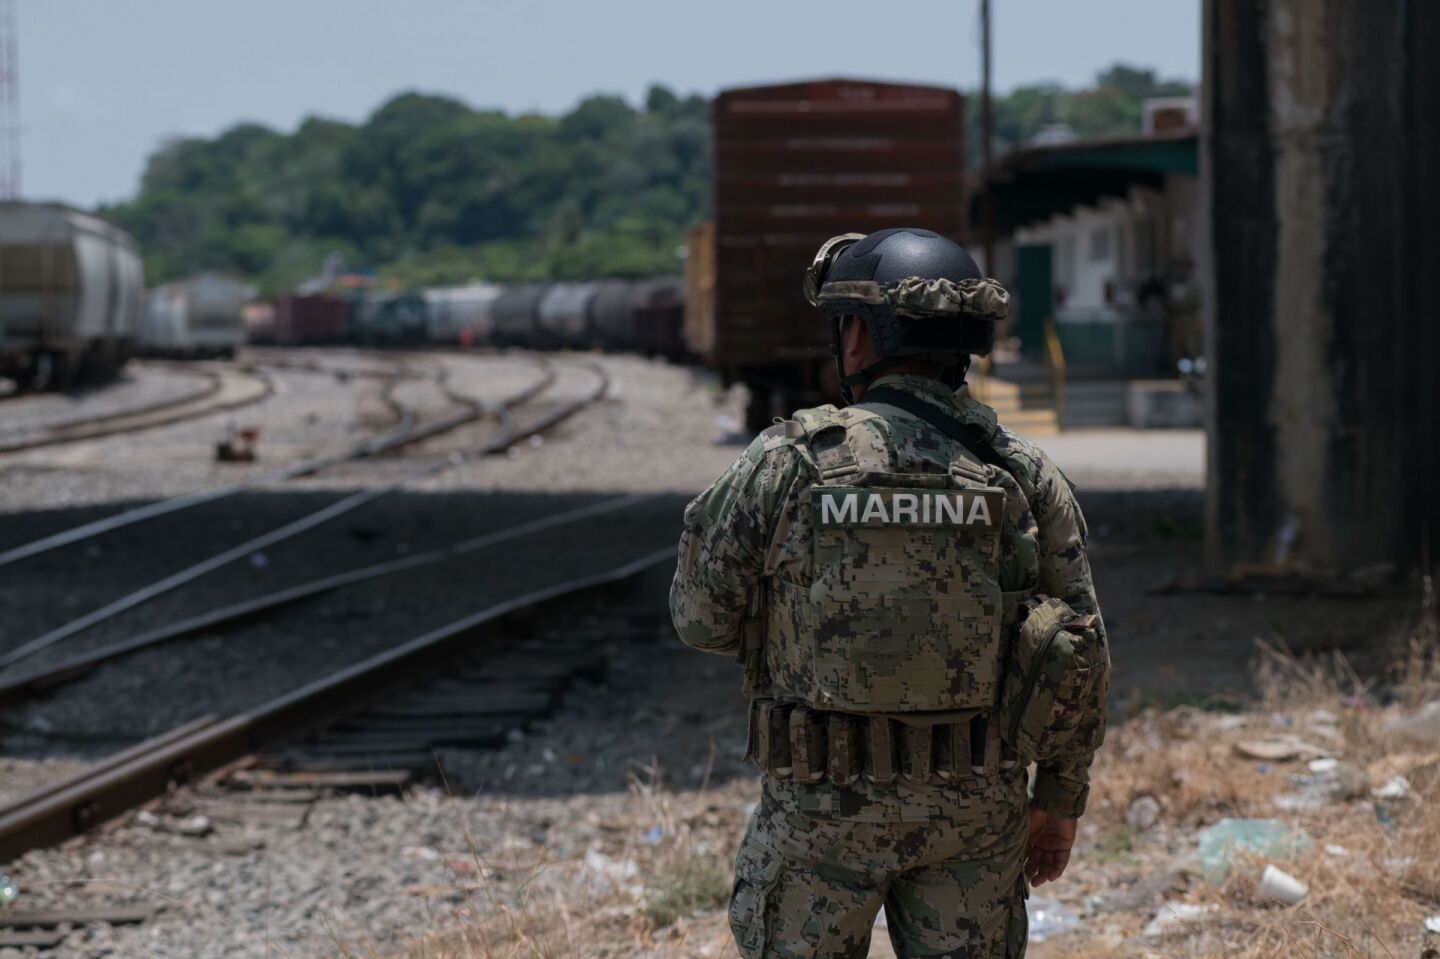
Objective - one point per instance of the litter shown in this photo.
(654, 835)
(1397, 787)
(1421, 728)
(1049, 917)
(9, 892)
(1279, 885)
(1173, 917)
(1267, 837)
(1432, 924)
(603, 867)
(193, 826)
(1279, 748)
(1333, 781)
(1143, 812)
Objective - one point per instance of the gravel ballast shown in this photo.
(368, 875)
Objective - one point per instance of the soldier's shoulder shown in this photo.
(1031, 466)
(817, 418)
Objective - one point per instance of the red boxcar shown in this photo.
(794, 165)
(310, 319)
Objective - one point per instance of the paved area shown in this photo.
(1130, 458)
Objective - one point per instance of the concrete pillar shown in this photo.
(1320, 166)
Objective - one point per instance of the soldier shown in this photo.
(906, 585)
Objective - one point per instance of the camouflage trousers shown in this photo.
(811, 886)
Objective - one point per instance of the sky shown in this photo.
(103, 83)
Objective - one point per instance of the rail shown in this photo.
(1055, 360)
(507, 436)
(141, 418)
(67, 808)
(43, 681)
(402, 434)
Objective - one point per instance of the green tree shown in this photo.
(430, 190)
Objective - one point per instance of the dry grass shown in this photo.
(1373, 869)
(654, 889)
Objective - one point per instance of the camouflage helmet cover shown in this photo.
(898, 281)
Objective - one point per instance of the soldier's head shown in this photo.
(903, 299)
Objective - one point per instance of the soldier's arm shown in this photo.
(1062, 788)
(722, 550)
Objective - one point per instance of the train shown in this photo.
(644, 316)
(70, 296)
(201, 316)
(795, 164)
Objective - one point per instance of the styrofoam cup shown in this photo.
(1279, 885)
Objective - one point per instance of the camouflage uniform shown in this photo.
(820, 859)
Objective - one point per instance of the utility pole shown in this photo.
(9, 104)
(987, 201)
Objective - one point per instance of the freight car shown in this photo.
(388, 318)
(461, 314)
(69, 296)
(609, 315)
(259, 321)
(562, 316)
(198, 316)
(794, 165)
(308, 320)
(514, 314)
(657, 311)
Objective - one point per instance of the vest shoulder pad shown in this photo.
(976, 413)
(781, 434)
(821, 418)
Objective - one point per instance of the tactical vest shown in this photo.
(904, 614)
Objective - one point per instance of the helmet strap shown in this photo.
(953, 376)
(865, 376)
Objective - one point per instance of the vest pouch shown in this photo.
(1049, 706)
(905, 611)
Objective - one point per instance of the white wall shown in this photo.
(1118, 243)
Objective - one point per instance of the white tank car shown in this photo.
(461, 314)
(202, 315)
(70, 290)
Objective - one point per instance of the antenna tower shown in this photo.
(9, 104)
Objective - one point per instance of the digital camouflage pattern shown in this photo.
(754, 523)
(809, 886)
(821, 858)
(921, 298)
(869, 631)
(1059, 670)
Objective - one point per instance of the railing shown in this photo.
(980, 385)
(1055, 359)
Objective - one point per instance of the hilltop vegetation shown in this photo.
(1112, 106)
(430, 190)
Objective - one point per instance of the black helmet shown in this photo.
(918, 294)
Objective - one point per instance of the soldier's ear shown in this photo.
(855, 337)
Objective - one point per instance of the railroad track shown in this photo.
(203, 401)
(507, 435)
(403, 431)
(373, 726)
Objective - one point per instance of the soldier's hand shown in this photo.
(1048, 851)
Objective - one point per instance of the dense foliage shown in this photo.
(1112, 106)
(429, 190)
